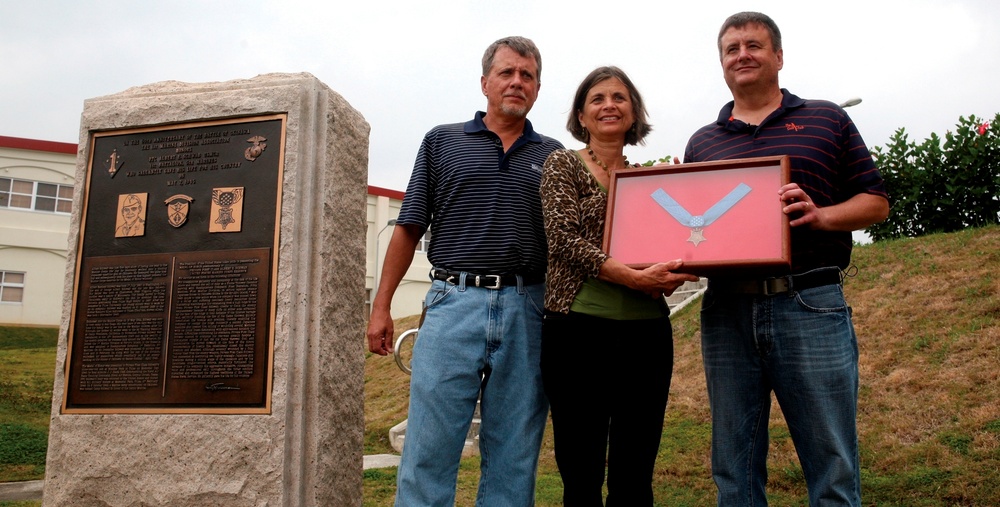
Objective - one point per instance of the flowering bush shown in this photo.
(940, 186)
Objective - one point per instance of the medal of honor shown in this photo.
(697, 223)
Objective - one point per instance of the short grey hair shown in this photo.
(741, 19)
(524, 47)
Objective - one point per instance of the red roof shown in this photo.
(385, 192)
(20, 143)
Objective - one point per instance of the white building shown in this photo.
(36, 201)
(37, 181)
(383, 208)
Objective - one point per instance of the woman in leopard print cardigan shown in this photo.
(606, 335)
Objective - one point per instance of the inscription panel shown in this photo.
(173, 304)
(185, 328)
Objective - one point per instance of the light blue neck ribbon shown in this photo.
(695, 221)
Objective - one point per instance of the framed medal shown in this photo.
(719, 217)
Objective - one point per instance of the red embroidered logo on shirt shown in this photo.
(792, 126)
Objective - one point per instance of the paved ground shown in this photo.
(32, 490)
(381, 461)
(27, 490)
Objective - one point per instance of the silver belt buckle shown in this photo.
(774, 286)
(495, 286)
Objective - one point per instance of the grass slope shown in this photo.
(927, 315)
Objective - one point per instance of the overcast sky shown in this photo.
(407, 66)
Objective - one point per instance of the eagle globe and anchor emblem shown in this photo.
(257, 149)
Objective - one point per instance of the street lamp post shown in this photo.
(853, 101)
(378, 253)
(859, 236)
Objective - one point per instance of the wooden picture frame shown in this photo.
(718, 217)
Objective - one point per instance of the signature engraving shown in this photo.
(220, 386)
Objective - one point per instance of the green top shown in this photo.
(612, 301)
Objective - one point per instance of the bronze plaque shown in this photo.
(173, 302)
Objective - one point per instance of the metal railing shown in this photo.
(397, 349)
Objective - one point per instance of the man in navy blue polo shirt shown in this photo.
(791, 335)
(478, 184)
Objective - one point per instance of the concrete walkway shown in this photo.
(381, 461)
(20, 491)
(32, 490)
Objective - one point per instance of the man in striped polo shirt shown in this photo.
(791, 335)
(477, 185)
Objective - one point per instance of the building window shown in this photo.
(11, 287)
(368, 301)
(425, 242)
(16, 193)
(36, 196)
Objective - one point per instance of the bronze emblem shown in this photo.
(177, 209)
(258, 147)
(114, 163)
(227, 208)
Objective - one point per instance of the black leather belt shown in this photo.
(484, 281)
(778, 285)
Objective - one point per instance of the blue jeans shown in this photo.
(475, 340)
(800, 345)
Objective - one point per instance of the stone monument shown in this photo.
(211, 347)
